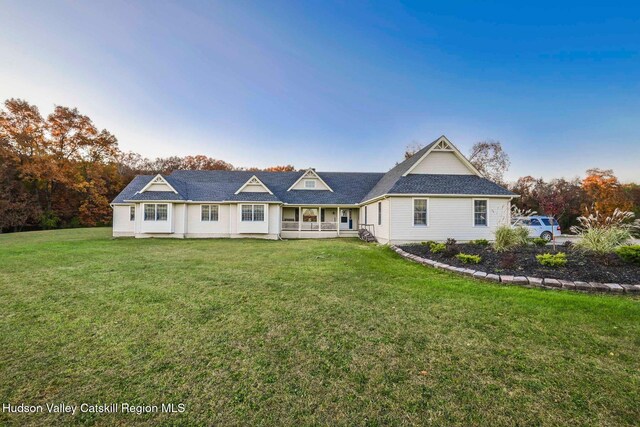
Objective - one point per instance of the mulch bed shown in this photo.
(581, 266)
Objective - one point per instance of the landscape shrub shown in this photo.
(437, 247)
(522, 236)
(539, 241)
(603, 240)
(427, 243)
(469, 259)
(509, 237)
(604, 235)
(450, 248)
(552, 260)
(630, 254)
(450, 251)
(480, 242)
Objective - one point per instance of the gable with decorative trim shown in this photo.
(158, 183)
(443, 159)
(310, 180)
(254, 185)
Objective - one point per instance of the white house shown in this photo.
(433, 195)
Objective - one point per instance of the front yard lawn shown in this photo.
(337, 332)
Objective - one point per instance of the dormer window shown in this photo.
(309, 183)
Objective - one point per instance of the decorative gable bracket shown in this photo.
(158, 179)
(254, 180)
(310, 173)
(443, 144)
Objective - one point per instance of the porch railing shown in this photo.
(369, 227)
(290, 225)
(308, 226)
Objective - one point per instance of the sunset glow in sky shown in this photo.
(340, 86)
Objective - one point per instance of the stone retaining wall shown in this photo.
(531, 282)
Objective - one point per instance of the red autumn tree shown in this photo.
(603, 192)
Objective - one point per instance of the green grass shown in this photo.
(298, 333)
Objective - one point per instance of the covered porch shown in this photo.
(319, 221)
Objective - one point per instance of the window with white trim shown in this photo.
(309, 183)
(155, 212)
(420, 207)
(132, 213)
(480, 213)
(252, 213)
(379, 213)
(208, 212)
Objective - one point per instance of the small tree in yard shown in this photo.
(552, 203)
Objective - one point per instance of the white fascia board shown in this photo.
(304, 175)
(455, 151)
(153, 181)
(249, 182)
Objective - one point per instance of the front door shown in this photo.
(346, 222)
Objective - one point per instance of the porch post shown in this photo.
(319, 218)
(299, 218)
(338, 220)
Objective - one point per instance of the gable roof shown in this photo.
(306, 174)
(348, 188)
(390, 178)
(221, 186)
(160, 180)
(254, 180)
(439, 145)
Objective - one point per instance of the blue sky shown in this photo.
(339, 85)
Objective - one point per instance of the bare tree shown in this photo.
(413, 148)
(490, 159)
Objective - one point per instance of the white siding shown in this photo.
(274, 219)
(254, 188)
(330, 215)
(319, 184)
(267, 229)
(441, 162)
(154, 227)
(252, 227)
(381, 231)
(179, 218)
(122, 224)
(198, 228)
(355, 218)
(447, 217)
(158, 187)
(233, 219)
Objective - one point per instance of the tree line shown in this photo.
(62, 171)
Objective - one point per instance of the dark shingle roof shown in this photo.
(130, 190)
(156, 195)
(349, 188)
(447, 184)
(390, 178)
